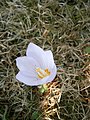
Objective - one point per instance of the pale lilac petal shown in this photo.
(27, 65)
(29, 80)
(37, 53)
(34, 81)
(52, 75)
(49, 59)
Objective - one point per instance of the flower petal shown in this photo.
(37, 53)
(29, 80)
(50, 60)
(27, 65)
(52, 75)
(34, 81)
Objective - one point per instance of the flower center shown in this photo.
(42, 73)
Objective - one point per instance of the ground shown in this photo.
(62, 26)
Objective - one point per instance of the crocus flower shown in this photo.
(37, 67)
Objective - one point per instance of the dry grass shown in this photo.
(62, 26)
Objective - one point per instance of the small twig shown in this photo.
(85, 88)
(78, 57)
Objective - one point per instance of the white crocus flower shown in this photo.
(37, 67)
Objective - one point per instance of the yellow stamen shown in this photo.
(42, 73)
